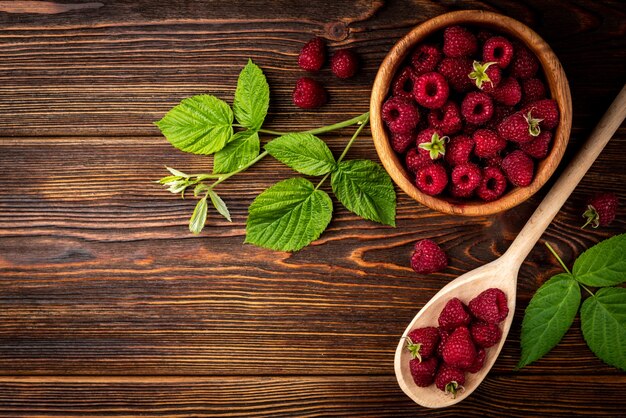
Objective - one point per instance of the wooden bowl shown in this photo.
(554, 76)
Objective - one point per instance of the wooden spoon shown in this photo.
(502, 272)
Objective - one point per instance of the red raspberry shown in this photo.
(431, 179)
(488, 143)
(400, 142)
(500, 112)
(519, 168)
(490, 306)
(478, 362)
(459, 350)
(312, 55)
(447, 119)
(509, 92)
(533, 89)
(601, 210)
(431, 90)
(456, 71)
(400, 115)
(443, 337)
(449, 379)
(525, 64)
(422, 342)
(493, 184)
(308, 94)
(430, 143)
(425, 58)
(402, 85)
(465, 179)
(486, 76)
(454, 315)
(547, 110)
(484, 334)
(428, 257)
(498, 50)
(423, 372)
(344, 63)
(519, 127)
(459, 42)
(495, 161)
(477, 108)
(414, 160)
(459, 150)
(538, 148)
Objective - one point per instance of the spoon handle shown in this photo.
(565, 185)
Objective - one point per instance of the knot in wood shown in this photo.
(337, 31)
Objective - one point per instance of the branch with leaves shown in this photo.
(294, 212)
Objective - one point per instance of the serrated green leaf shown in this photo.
(548, 316)
(198, 218)
(603, 322)
(252, 97)
(288, 216)
(366, 189)
(243, 148)
(604, 264)
(303, 152)
(199, 124)
(219, 204)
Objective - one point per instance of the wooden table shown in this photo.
(109, 306)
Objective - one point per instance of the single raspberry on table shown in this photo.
(545, 110)
(430, 143)
(524, 64)
(431, 90)
(447, 119)
(478, 362)
(308, 94)
(533, 89)
(488, 143)
(477, 108)
(485, 334)
(538, 148)
(415, 160)
(425, 58)
(499, 50)
(459, 150)
(423, 372)
(450, 379)
(465, 179)
(403, 84)
(519, 127)
(490, 306)
(454, 315)
(492, 185)
(508, 92)
(428, 257)
(422, 342)
(486, 76)
(519, 168)
(400, 115)
(601, 209)
(401, 142)
(431, 179)
(344, 63)
(312, 55)
(459, 42)
(459, 350)
(456, 71)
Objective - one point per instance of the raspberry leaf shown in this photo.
(198, 218)
(365, 188)
(243, 148)
(288, 216)
(604, 264)
(252, 97)
(548, 316)
(603, 323)
(219, 204)
(304, 152)
(200, 124)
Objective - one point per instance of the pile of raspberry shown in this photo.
(444, 354)
(469, 114)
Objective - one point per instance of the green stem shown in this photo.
(239, 170)
(557, 257)
(323, 129)
(585, 287)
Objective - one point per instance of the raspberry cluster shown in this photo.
(445, 353)
(468, 113)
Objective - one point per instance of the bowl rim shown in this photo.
(556, 81)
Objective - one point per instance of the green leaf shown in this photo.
(603, 322)
(198, 218)
(288, 216)
(548, 316)
(243, 148)
(604, 264)
(219, 204)
(365, 188)
(252, 97)
(199, 124)
(303, 152)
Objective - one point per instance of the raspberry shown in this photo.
(449, 379)
(519, 127)
(601, 210)
(431, 179)
(519, 168)
(478, 361)
(488, 143)
(312, 55)
(465, 179)
(509, 92)
(453, 315)
(402, 85)
(431, 90)
(456, 71)
(486, 76)
(459, 150)
(425, 58)
(546, 110)
(477, 108)
(400, 115)
(428, 257)
(443, 337)
(423, 372)
(499, 50)
(400, 142)
(422, 342)
(459, 350)
(414, 160)
(500, 112)
(308, 94)
(430, 143)
(490, 306)
(344, 63)
(524, 64)
(538, 147)
(484, 334)
(495, 161)
(447, 119)
(493, 184)
(459, 42)
(533, 89)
